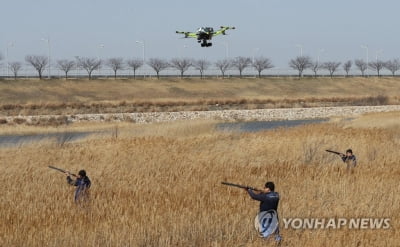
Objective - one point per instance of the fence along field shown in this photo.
(160, 185)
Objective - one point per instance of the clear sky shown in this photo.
(336, 29)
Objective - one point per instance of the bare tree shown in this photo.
(89, 64)
(315, 67)
(65, 65)
(115, 64)
(300, 64)
(331, 67)
(223, 65)
(361, 65)
(377, 65)
(261, 63)
(240, 63)
(181, 64)
(201, 65)
(393, 66)
(15, 67)
(38, 62)
(347, 66)
(158, 65)
(135, 64)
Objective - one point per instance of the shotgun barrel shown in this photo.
(330, 151)
(61, 170)
(240, 186)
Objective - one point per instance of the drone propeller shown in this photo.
(228, 27)
(185, 33)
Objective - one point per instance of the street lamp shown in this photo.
(48, 45)
(101, 46)
(254, 52)
(378, 52)
(366, 48)
(181, 51)
(77, 66)
(143, 50)
(301, 49)
(226, 49)
(10, 44)
(319, 51)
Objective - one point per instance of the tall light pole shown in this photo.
(143, 50)
(254, 52)
(48, 46)
(77, 66)
(226, 49)
(10, 44)
(366, 48)
(181, 51)
(301, 49)
(253, 58)
(377, 53)
(318, 53)
(101, 46)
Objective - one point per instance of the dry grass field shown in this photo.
(159, 185)
(35, 97)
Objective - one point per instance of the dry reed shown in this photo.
(159, 185)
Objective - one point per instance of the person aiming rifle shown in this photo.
(269, 200)
(266, 221)
(349, 158)
(82, 183)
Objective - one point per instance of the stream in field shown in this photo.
(67, 137)
(59, 138)
(255, 126)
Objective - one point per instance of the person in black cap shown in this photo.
(349, 158)
(82, 184)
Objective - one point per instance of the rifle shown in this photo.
(330, 151)
(241, 186)
(61, 170)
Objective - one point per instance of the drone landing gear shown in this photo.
(205, 44)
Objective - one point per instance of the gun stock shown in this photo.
(240, 186)
(62, 170)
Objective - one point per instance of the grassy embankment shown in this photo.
(34, 97)
(159, 185)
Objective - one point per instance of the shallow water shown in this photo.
(66, 137)
(255, 126)
(59, 138)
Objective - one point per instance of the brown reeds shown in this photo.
(159, 185)
(49, 97)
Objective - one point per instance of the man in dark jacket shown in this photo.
(82, 184)
(269, 200)
(349, 158)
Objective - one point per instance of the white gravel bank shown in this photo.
(225, 115)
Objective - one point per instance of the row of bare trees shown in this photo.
(89, 64)
(301, 63)
(239, 63)
(39, 63)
